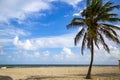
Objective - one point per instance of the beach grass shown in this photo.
(60, 73)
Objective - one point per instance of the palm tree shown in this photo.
(95, 22)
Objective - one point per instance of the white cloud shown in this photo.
(35, 6)
(66, 42)
(67, 52)
(11, 31)
(66, 55)
(48, 42)
(102, 57)
(71, 2)
(20, 8)
(26, 45)
(115, 52)
(77, 14)
(8, 32)
(56, 41)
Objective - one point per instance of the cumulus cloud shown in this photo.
(7, 33)
(48, 42)
(54, 42)
(26, 45)
(67, 52)
(66, 55)
(66, 42)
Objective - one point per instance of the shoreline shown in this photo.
(47, 65)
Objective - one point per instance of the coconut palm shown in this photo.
(95, 22)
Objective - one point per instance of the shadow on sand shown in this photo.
(5, 78)
(101, 74)
(107, 75)
(42, 77)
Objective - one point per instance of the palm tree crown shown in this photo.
(94, 26)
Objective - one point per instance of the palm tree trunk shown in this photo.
(88, 76)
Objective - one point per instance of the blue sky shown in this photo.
(34, 32)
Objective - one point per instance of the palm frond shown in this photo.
(75, 24)
(114, 7)
(96, 42)
(78, 36)
(77, 19)
(112, 19)
(103, 9)
(83, 43)
(107, 17)
(112, 26)
(108, 4)
(110, 36)
(110, 29)
(109, 9)
(97, 6)
(112, 15)
(101, 39)
(93, 2)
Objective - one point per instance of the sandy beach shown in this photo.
(59, 73)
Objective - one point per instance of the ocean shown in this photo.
(48, 65)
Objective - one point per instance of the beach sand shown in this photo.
(59, 73)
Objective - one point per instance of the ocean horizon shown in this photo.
(49, 65)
